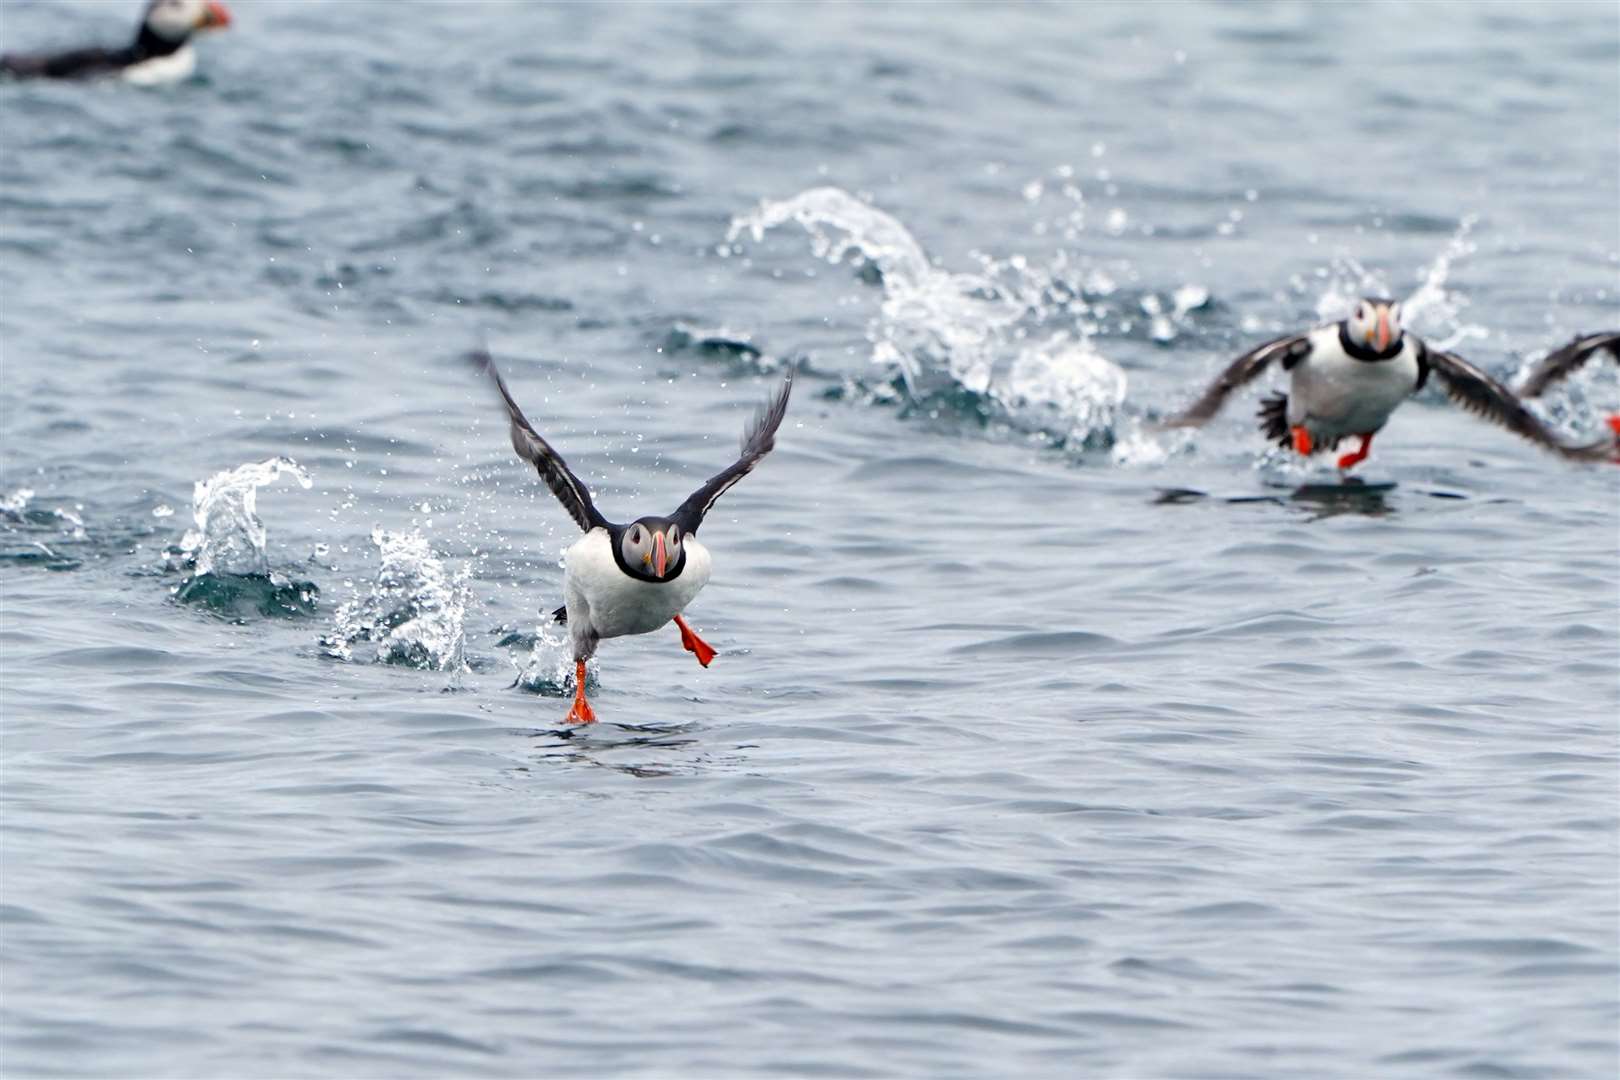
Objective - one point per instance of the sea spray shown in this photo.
(228, 536)
(225, 554)
(412, 613)
(549, 668)
(1002, 344)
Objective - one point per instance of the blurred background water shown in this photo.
(1039, 742)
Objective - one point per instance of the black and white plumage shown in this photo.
(1347, 378)
(637, 577)
(1561, 363)
(161, 51)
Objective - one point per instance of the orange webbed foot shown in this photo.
(1303, 443)
(1358, 455)
(694, 644)
(581, 713)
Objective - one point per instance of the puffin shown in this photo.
(637, 577)
(1346, 378)
(160, 53)
(1560, 364)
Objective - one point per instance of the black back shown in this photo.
(89, 62)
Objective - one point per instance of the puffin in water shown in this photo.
(160, 53)
(637, 577)
(1560, 364)
(1346, 378)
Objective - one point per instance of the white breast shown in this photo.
(1333, 394)
(163, 69)
(606, 600)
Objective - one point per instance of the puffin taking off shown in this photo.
(1346, 379)
(1560, 364)
(161, 51)
(634, 578)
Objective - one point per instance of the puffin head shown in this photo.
(1375, 324)
(177, 20)
(651, 546)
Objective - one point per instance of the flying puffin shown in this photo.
(1346, 378)
(632, 578)
(161, 51)
(1560, 364)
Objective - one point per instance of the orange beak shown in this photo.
(214, 17)
(1383, 328)
(659, 556)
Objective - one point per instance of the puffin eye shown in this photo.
(674, 536)
(635, 535)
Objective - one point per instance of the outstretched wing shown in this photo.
(1483, 396)
(757, 441)
(77, 63)
(1245, 369)
(1561, 363)
(569, 489)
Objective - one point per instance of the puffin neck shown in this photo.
(149, 44)
(616, 534)
(1361, 352)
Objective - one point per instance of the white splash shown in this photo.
(550, 665)
(229, 538)
(841, 225)
(17, 514)
(1344, 281)
(1068, 375)
(1580, 404)
(1138, 447)
(1435, 311)
(1165, 325)
(73, 523)
(17, 501)
(987, 333)
(413, 613)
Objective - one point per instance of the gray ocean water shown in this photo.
(1040, 742)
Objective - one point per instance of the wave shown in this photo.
(47, 537)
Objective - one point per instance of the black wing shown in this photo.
(1483, 396)
(757, 441)
(569, 489)
(1290, 350)
(1561, 363)
(77, 64)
